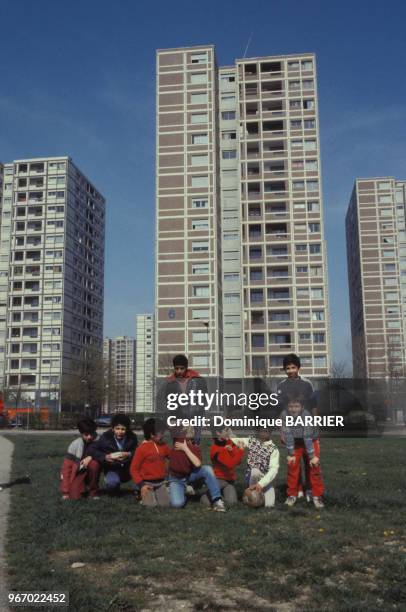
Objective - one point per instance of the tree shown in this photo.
(84, 388)
(340, 369)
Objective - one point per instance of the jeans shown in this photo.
(177, 486)
(114, 478)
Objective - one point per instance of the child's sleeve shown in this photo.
(244, 442)
(272, 469)
(228, 458)
(287, 437)
(135, 467)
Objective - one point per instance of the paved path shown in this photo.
(6, 451)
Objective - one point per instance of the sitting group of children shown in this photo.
(162, 475)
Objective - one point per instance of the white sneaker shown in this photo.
(190, 490)
(300, 495)
(218, 506)
(291, 500)
(318, 503)
(309, 496)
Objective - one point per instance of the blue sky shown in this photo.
(78, 78)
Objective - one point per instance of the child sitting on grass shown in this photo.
(79, 469)
(114, 451)
(185, 467)
(302, 441)
(262, 464)
(150, 465)
(225, 457)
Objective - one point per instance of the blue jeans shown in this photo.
(114, 479)
(177, 486)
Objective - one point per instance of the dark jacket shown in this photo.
(106, 444)
(296, 388)
(194, 383)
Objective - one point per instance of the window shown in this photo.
(294, 85)
(199, 203)
(200, 246)
(198, 98)
(200, 269)
(232, 298)
(227, 78)
(308, 104)
(200, 181)
(316, 293)
(302, 294)
(317, 315)
(296, 144)
(315, 249)
(295, 124)
(199, 58)
(307, 84)
(313, 207)
(312, 185)
(304, 337)
(228, 115)
(199, 118)
(279, 315)
(201, 291)
(258, 363)
(388, 253)
(200, 314)
(310, 145)
(309, 124)
(314, 228)
(257, 340)
(201, 361)
(230, 235)
(301, 248)
(200, 160)
(256, 295)
(319, 337)
(200, 336)
(255, 274)
(298, 185)
(320, 361)
(231, 276)
(200, 139)
(198, 78)
(301, 270)
(311, 165)
(383, 186)
(228, 136)
(300, 227)
(229, 154)
(316, 271)
(200, 224)
(303, 315)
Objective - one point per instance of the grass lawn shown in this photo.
(351, 556)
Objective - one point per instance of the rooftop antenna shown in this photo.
(248, 44)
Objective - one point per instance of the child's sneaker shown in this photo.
(300, 495)
(309, 496)
(291, 500)
(318, 503)
(218, 506)
(190, 490)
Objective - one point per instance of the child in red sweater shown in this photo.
(150, 465)
(225, 457)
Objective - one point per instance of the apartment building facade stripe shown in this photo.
(376, 256)
(249, 257)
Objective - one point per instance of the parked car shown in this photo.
(103, 420)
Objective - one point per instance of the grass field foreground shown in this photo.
(351, 556)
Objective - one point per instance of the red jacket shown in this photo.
(188, 374)
(180, 465)
(149, 462)
(225, 456)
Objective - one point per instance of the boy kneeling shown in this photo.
(185, 467)
(149, 465)
(262, 464)
(79, 469)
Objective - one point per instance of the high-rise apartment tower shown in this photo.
(241, 274)
(51, 276)
(376, 255)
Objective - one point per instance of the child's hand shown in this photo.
(85, 462)
(239, 443)
(314, 461)
(256, 487)
(291, 459)
(65, 496)
(181, 445)
(145, 489)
